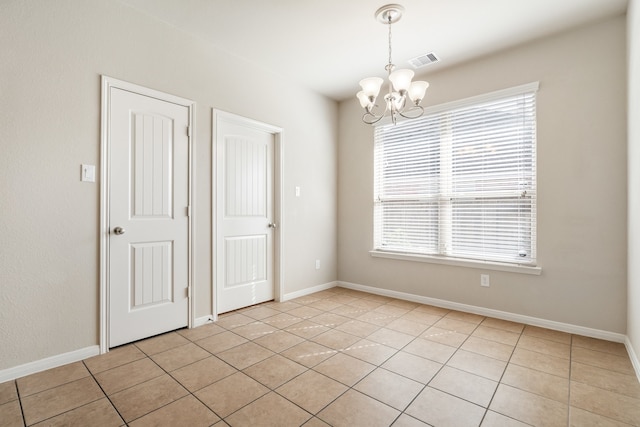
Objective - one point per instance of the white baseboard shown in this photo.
(308, 291)
(48, 363)
(633, 356)
(202, 320)
(513, 317)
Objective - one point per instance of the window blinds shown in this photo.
(460, 182)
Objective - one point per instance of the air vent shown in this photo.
(422, 60)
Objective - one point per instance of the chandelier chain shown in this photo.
(390, 65)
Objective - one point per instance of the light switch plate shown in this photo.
(88, 173)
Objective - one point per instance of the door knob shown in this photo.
(118, 230)
(272, 225)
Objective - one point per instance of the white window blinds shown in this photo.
(460, 182)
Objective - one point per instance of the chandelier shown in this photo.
(404, 96)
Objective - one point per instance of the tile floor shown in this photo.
(341, 358)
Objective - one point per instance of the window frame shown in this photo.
(530, 267)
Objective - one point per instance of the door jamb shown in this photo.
(278, 157)
(105, 152)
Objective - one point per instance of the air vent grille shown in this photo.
(422, 60)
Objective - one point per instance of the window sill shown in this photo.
(485, 265)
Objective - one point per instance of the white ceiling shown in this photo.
(329, 45)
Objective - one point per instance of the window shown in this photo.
(460, 182)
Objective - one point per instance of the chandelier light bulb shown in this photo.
(371, 86)
(417, 90)
(401, 79)
(364, 100)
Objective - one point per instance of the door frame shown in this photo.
(278, 156)
(105, 152)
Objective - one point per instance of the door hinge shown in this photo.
(189, 211)
(188, 291)
(189, 131)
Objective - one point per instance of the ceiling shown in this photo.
(329, 45)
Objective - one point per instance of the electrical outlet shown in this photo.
(484, 280)
(317, 264)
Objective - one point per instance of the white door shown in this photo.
(245, 215)
(148, 216)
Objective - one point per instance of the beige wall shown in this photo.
(582, 185)
(53, 53)
(633, 297)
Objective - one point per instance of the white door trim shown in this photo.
(105, 144)
(278, 136)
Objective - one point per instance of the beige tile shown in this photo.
(305, 312)
(465, 317)
(547, 334)
(261, 312)
(478, 364)
(545, 346)
(345, 369)
(493, 419)
(370, 351)
(99, 413)
(541, 362)
(612, 405)
(279, 341)
(430, 350)
(161, 343)
(202, 373)
(201, 332)
(358, 328)
(316, 422)
(125, 376)
(440, 409)
(231, 393)
(275, 371)
(405, 420)
(408, 326)
(541, 383)
(221, 342)
(436, 311)
(271, 410)
(497, 335)
(330, 320)
(445, 336)
(377, 318)
(581, 418)
(8, 392)
(465, 385)
(312, 391)
(178, 357)
(245, 355)
(282, 320)
(528, 407)
(51, 378)
(615, 348)
(421, 317)
(306, 329)
(392, 310)
(390, 338)
(411, 366)
(390, 388)
(602, 360)
(341, 299)
(504, 325)
(55, 401)
(233, 320)
(254, 330)
(11, 414)
(408, 305)
(324, 305)
(336, 340)
(488, 348)
(365, 304)
(349, 311)
(187, 411)
(606, 379)
(115, 357)
(308, 353)
(307, 299)
(143, 398)
(377, 298)
(284, 306)
(355, 409)
(455, 325)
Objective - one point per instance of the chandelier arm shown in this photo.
(413, 108)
